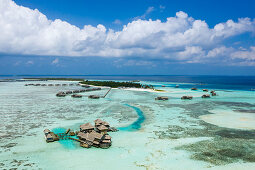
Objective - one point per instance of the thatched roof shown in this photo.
(98, 121)
(86, 126)
(102, 128)
(206, 96)
(107, 137)
(49, 136)
(161, 98)
(96, 135)
(89, 137)
(46, 131)
(105, 123)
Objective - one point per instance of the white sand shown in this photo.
(141, 89)
(231, 119)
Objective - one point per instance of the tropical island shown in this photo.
(57, 79)
(113, 84)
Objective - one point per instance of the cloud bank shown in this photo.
(181, 38)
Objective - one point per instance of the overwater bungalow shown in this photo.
(163, 86)
(106, 143)
(85, 145)
(87, 127)
(69, 92)
(177, 86)
(46, 132)
(49, 138)
(61, 94)
(206, 96)
(76, 91)
(205, 90)
(161, 98)
(112, 129)
(93, 97)
(97, 138)
(84, 85)
(193, 88)
(77, 96)
(99, 122)
(102, 129)
(187, 97)
(55, 136)
(213, 94)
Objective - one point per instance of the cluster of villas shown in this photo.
(63, 94)
(88, 136)
(97, 135)
(213, 93)
(70, 84)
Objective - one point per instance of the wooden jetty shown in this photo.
(106, 93)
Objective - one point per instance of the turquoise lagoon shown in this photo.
(173, 134)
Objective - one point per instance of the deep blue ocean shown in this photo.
(212, 82)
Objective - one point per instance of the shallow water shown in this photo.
(153, 134)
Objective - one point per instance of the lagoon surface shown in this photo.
(213, 133)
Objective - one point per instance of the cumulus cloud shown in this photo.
(29, 32)
(245, 54)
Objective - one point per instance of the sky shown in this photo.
(135, 37)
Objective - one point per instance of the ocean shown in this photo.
(202, 133)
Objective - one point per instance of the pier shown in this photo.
(106, 93)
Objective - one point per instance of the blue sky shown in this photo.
(127, 37)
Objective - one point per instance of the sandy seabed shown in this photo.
(157, 143)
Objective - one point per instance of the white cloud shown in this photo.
(29, 32)
(219, 52)
(244, 54)
(56, 61)
(147, 12)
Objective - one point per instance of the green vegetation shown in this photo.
(60, 79)
(112, 84)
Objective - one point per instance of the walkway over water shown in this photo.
(107, 93)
